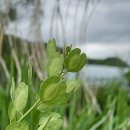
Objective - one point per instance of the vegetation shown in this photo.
(54, 90)
(113, 61)
(37, 90)
(91, 108)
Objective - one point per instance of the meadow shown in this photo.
(98, 107)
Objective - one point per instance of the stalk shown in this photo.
(33, 107)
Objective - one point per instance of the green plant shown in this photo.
(54, 90)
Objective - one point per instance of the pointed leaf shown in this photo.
(12, 90)
(30, 73)
(21, 96)
(51, 49)
(55, 65)
(12, 112)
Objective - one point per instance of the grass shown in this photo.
(106, 108)
(80, 113)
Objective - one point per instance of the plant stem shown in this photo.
(47, 122)
(61, 76)
(61, 71)
(33, 107)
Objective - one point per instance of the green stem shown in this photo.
(61, 76)
(47, 122)
(33, 107)
(43, 127)
(61, 71)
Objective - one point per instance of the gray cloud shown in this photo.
(110, 23)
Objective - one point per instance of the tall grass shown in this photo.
(104, 107)
(80, 113)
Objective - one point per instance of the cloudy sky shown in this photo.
(110, 22)
(104, 27)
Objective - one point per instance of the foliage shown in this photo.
(80, 113)
(112, 61)
(54, 90)
(113, 102)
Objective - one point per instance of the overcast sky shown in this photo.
(110, 22)
(107, 32)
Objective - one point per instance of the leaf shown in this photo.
(21, 96)
(12, 90)
(30, 73)
(55, 65)
(23, 125)
(12, 112)
(50, 121)
(72, 84)
(51, 49)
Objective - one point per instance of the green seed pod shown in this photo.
(52, 91)
(75, 60)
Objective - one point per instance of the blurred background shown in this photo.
(100, 28)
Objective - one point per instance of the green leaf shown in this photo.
(30, 73)
(72, 84)
(12, 112)
(12, 90)
(50, 121)
(21, 96)
(51, 49)
(55, 65)
(23, 125)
